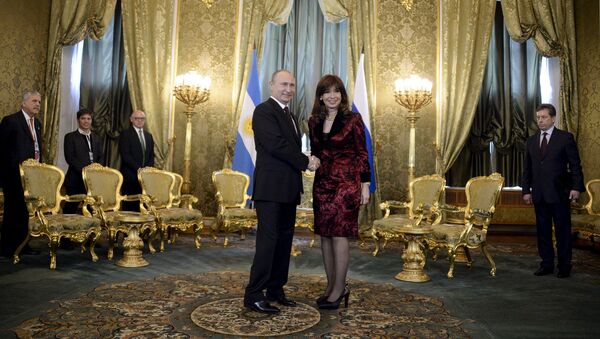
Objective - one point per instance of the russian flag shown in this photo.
(244, 156)
(361, 105)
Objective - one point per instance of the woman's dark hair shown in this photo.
(319, 111)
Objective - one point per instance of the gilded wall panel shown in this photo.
(587, 21)
(406, 44)
(24, 39)
(207, 45)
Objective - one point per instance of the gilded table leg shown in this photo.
(414, 261)
(132, 255)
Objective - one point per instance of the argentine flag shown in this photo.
(244, 156)
(361, 105)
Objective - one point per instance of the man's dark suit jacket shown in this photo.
(77, 156)
(16, 145)
(552, 177)
(132, 158)
(279, 160)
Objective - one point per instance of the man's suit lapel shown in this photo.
(24, 125)
(281, 115)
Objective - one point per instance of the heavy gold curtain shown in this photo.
(148, 31)
(551, 25)
(254, 16)
(466, 29)
(70, 22)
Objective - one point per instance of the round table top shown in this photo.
(133, 217)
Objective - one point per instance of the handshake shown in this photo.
(313, 163)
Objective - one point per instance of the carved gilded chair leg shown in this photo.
(295, 251)
(197, 238)
(92, 246)
(468, 256)
(53, 247)
(164, 235)
(225, 241)
(242, 234)
(451, 258)
(112, 236)
(376, 241)
(151, 237)
(485, 252)
(312, 240)
(385, 241)
(16, 257)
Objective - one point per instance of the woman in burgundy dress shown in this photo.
(337, 138)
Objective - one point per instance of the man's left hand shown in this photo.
(574, 195)
(364, 193)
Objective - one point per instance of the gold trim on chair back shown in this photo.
(424, 191)
(483, 193)
(105, 182)
(593, 190)
(42, 181)
(158, 185)
(231, 187)
(178, 184)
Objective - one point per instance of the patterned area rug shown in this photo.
(209, 304)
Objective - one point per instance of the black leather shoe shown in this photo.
(563, 274)
(262, 307)
(284, 301)
(543, 271)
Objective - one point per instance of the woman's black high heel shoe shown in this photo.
(334, 305)
(323, 298)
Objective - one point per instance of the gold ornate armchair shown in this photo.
(587, 225)
(482, 196)
(104, 185)
(424, 198)
(304, 212)
(41, 185)
(159, 187)
(232, 216)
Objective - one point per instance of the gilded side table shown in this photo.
(133, 244)
(413, 256)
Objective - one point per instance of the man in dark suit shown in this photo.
(552, 177)
(20, 139)
(136, 148)
(82, 147)
(276, 193)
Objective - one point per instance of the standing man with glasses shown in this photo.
(82, 147)
(136, 147)
(552, 178)
(20, 139)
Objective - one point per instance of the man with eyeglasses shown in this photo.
(136, 147)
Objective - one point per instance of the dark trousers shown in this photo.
(273, 245)
(560, 214)
(15, 222)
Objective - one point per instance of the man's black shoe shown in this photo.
(283, 301)
(563, 274)
(543, 271)
(262, 307)
(29, 251)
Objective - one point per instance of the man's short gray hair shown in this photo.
(28, 94)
